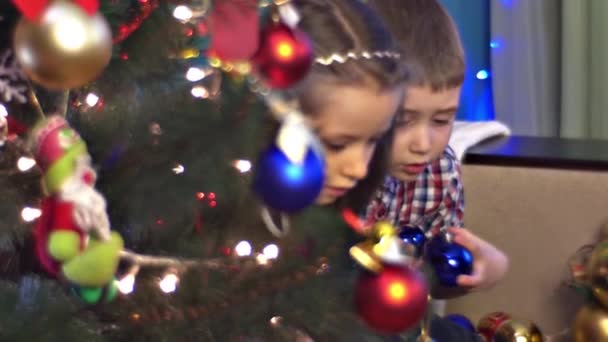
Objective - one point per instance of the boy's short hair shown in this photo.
(433, 53)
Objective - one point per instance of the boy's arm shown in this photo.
(490, 264)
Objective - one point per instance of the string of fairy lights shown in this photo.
(168, 283)
(159, 313)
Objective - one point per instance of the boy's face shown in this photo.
(422, 130)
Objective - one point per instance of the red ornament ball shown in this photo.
(284, 56)
(393, 300)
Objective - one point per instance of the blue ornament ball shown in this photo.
(461, 320)
(449, 260)
(287, 186)
(414, 236)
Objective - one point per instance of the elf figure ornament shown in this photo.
(73, 238)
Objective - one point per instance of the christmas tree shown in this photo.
(173, 138)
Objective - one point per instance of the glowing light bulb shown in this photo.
(243, 248)
(200, 92)
(25, 164)
(182, 13)
(126, 285)
(178, 169)
(195, 74)
(482, 74)
(169, 283)
(271, 251)
(242, 165)
(261, 259)
(494, 44)
(92, 99)
(275, 320)
(30, 214)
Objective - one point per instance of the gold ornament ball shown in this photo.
(66, 48)
(597, 272)
(515, 330)
(590, 324)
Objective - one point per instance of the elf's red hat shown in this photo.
(56, 146)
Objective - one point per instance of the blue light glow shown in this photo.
(482, 74)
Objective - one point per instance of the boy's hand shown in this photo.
(489, 263)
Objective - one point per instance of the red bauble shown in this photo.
(393, 300)
(284, 55)
(235, 27)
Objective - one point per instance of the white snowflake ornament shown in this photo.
(12, 85)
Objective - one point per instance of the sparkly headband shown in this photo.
(342, 58)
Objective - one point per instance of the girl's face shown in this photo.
(350, 122)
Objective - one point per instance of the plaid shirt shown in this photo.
(434, 201)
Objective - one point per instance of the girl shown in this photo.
(349, 99)
(351, 94)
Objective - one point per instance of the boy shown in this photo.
(425, 188)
